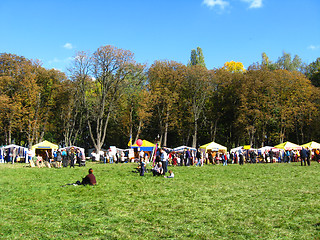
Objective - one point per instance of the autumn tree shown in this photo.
(49, 82)
(19, 95)
(68, 114)
(102, 77)
(133, 108)
(165, 78)
(222, 107)
(257, 105)
(293, 101)
(234, 67)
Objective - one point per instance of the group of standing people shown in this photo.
(186, 158)
(70, 157)
(61, 157)
(280, 156)
(198, 157)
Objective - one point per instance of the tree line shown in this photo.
(106, 97)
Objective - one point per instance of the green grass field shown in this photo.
(260, 201)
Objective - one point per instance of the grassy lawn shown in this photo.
(261, 201)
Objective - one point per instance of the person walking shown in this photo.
(199, 158)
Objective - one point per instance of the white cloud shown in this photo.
(223, 4)
(254, 3)
(212, 3)
(314, 48)
(68, 46)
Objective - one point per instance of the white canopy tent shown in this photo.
(181, 149)
(237, 149)
(265, 149)
(14, 151)
(213, 146)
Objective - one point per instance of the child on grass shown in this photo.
(171, 174)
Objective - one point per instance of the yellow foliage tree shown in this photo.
(234, 67)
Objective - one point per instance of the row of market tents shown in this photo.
(148, 147)
(21, 153)
(215, 147)
(283, 146)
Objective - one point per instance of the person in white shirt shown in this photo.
(164, 160)
(141, 155)
(171, 174)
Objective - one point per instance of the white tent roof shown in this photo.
(265, 148)
(237, 149)
(12, 146)
(181, 148)
(213, 146)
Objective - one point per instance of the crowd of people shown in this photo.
(59, 158)
(165, 157)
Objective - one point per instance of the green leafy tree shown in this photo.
(102, 78)
(286, 62)
(133, 108)
(196, 88)
(313, 72)
(197, 57)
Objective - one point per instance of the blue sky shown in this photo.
(239, 30)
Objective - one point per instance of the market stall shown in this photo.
(145, 146)
(181, 149)
(214, 147)
(13, 152)
(288, 146)
(41, 148)
(311, 145)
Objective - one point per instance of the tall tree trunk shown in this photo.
(9, 132)
(302, 136)
(215, 129)
(139, 131)
(194, 137)
(131, 122)
(187, 138)
(101, 130)
(166, 128)
(6, 137)
(263, 136)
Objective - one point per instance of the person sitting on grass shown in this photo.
(157, 170)
(171, 174)
(90, 179)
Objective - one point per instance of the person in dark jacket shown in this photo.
(303, 156)
(90, 179)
